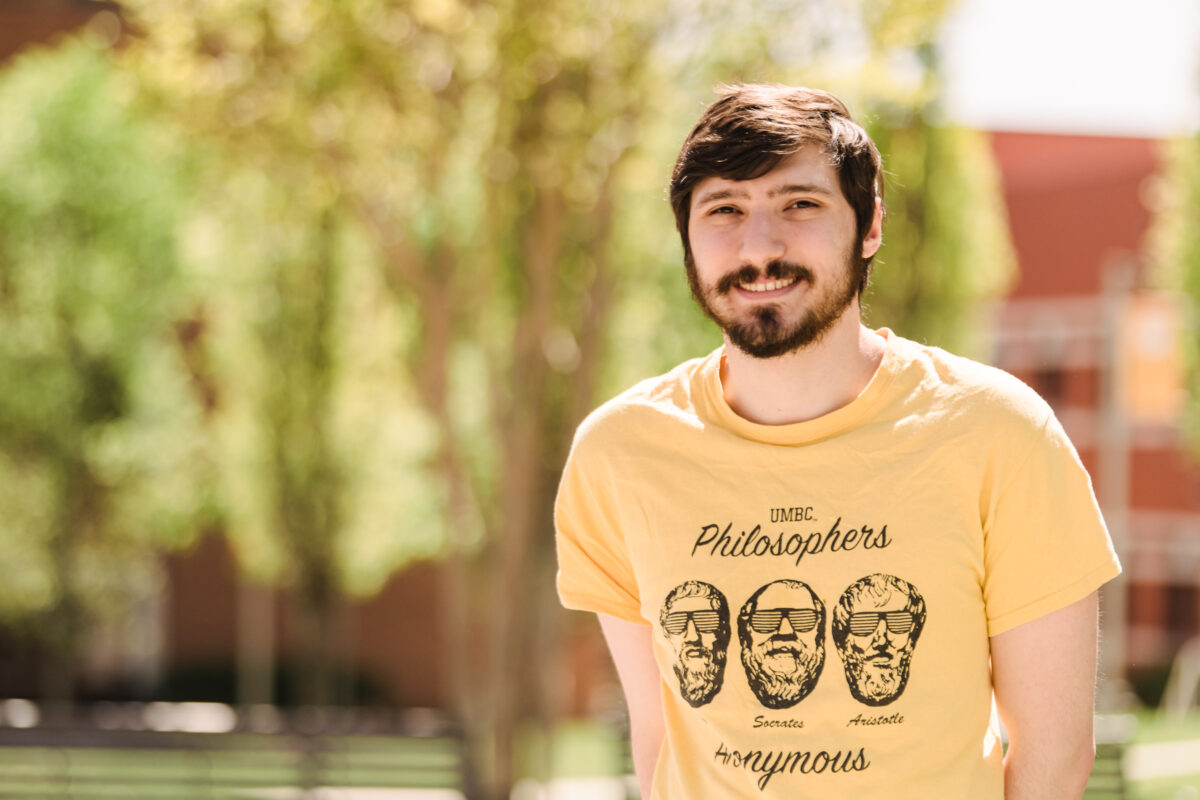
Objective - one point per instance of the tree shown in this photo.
(478, 149)
(946, 246)
(96, 441)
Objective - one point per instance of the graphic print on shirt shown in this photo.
(781, 629)
(695, 620)
(875, 628)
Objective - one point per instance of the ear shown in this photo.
(874, 236)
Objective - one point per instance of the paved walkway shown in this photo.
(1163, 760)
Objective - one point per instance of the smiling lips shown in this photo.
(768, 286)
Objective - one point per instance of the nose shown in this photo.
(691, 633)
(761, 240)
(880, 635)
(785, 625)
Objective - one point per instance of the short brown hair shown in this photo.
(752, 127)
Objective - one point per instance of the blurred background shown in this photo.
(300, 303)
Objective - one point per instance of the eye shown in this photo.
(723, 210)
(803, 204)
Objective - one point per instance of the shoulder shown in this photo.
(991, 420)
(954, 387)
(646, 412)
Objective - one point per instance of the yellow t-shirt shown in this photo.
(822, 593)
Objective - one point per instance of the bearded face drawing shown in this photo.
(875, 628)
(695, 620)
(782, 632)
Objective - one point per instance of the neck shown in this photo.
(808, 383)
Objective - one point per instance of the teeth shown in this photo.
(769, 286)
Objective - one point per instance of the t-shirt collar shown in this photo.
(795, 433)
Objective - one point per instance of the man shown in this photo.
(810, 448)
(782, 632)
(876, 625)
(695, 620)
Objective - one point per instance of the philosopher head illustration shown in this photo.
(695, 619)
(782, 632)
(876, 625)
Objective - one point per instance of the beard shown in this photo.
(767, 334)
(874, 684)
(777, 687)
(699, 684)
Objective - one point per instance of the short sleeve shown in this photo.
(594, 570)
(1045, 542)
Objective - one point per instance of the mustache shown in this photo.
(776, 270)
(780, 641)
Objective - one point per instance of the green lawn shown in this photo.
(1187, 788)
(575, 750)
(578, 749)
(1153, 729)
(584, 749)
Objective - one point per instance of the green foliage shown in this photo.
(1175, 248)
(95, 444)
(331, 156)
(321, 446)
(946, 247)
(471, 157)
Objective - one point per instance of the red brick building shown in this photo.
(25, 23)
(1085, 328)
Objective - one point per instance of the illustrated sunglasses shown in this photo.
(768, 620)
(705, 620)
(864, 623)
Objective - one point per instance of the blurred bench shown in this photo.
(86, 762)
(1108, 781)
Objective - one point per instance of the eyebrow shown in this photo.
(791, 188)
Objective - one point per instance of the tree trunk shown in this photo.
(255, 643)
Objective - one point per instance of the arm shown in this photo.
(1044, 674)
(631, 649)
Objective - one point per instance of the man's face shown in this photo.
(700, 647)
(775, 259)
(878, 648)
(782, 648)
